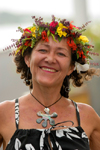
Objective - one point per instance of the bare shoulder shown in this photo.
(6, 104)
(6, 108)
(85, 108)
(91, 122)
(88, 112)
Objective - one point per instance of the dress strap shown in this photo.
(77, 112)
(17, 112)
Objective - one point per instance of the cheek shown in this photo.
(32, 65)
(67, 67)
(67, 63)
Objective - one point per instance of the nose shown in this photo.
(50, 58)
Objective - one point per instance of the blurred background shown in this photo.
(18, 13)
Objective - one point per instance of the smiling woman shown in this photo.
(48, 56)
(49, 63)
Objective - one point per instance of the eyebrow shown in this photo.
(62, 48)
(45, 44)
(59, 48)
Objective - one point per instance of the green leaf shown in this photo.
(56, 32)
(82, 42)
(21, 30)
(87, 61)
(59, 38)
(77, 55)
(90, 49)
(24, 48)
(40, 30)
(82, 30)
(89, 57)
(26, 39)
(48, 33)
(33, 42)
(74, 40)
(53, 37)
(86, 43)
(34, 24)
(23, 41)
(74, 30)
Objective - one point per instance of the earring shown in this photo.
(27, 79)
(67, 89)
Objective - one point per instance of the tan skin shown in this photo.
(47, 83)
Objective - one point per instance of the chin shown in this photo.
(46, 83)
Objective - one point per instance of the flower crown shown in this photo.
(58, 29)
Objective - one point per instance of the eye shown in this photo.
(43, 50)
(61, 54)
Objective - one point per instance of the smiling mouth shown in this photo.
(48, 69)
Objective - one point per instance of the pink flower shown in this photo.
(53, 25)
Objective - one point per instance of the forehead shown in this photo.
(53, 44)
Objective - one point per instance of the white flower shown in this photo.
(79, 67)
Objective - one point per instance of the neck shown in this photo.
(46, 95)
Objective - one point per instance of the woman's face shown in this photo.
(50, 62)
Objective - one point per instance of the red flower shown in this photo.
(27, 33)
(53, 24)
(27, 30)
(71, 26)
(80, 53)
(27, 43)
(73, 33)
(83, 56)
(71, 43)
(44, 36)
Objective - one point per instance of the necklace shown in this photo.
(46, 116)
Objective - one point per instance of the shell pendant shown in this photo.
(46, 116)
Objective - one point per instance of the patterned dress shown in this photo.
(72, 138)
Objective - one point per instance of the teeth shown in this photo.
(47, 69)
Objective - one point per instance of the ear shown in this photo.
(27, 60)
(71, 69)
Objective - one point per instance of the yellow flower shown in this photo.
(59, 30)
(83, 38)
(18, 50)
(33, 31)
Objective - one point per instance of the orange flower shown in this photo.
(71, 43)
(27, 43)
(44, 36)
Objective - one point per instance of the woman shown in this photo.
(48, 56)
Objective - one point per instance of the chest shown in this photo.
(29, 117)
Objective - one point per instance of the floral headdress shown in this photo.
(58, 29)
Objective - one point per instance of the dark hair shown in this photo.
(77, 78)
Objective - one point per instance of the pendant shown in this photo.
(46, 116)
